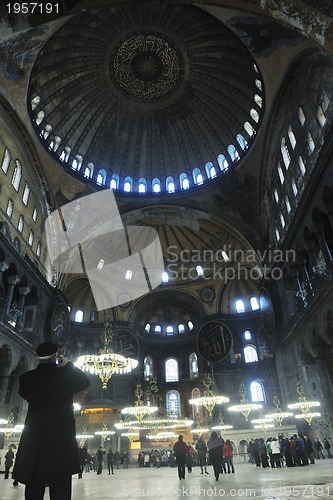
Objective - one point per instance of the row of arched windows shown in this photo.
(16, 183)
(173, 400)
(199, 175)
(291, 180)
(171, 369)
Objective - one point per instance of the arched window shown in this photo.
(294, 186)
(222, 162)
(250, 354)
(17, 175)
(301, 116)
(233, 152)
(89, 170)
(128, 274)
(258, 100)
(285, 153)
(65, 154)
(77, 162)
(321, 116)
(171, 370)
(181, 328)
(276, 195)
(128, 184)
(248, 129)
(190, 325)
(241, 141)
(101, 177)
(10, 208)
(247, 335)
(172, 400)
(114, 182)
(292, 137)
(34, 102)
(35, 214)
(148, 371)
(288, 206)
(311, 144)
(254, 303)
(142, 185)
(193, 365)
(26, 194)
(281, 174)
(158, 329)
(283, 222)
(301, 165)
(210, 170)
(93, 316)
(78, 317)
(254, 115)
(20, 224)
(240, 307)
(277, 234)
(38, 249)
(183, 180)
(197, 176)
(40, 117)
(47, 131)
(56, 143)
(196, 409)
(165, 277)
(257, 391)
(169, 330)
(199, 270)
(6, 161)
(170, 184)
(31, 238)
(156, 185)
(147, 327)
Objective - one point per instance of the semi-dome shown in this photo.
(146, 96)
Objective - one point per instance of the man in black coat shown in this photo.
(48, 452)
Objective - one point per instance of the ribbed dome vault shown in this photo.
(151, 96)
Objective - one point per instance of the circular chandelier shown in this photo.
(139, 410)
(156, 423)
(244, 407)
(278, 415)
(159, 436)
(209, 399)
(304, 406)
(263, 424)
(106, 363)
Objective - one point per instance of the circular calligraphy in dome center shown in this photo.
(146, 67)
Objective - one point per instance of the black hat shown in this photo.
(46, 350)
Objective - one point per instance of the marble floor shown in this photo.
(311, 482)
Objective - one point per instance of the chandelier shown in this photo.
(209, 399)
(278, 415)
(160, 436)
(156, 423)
(244, 407)
(263, 424)
(106, 363)
(139, 410)
(304, 406)
(104, 432)
(9, 428)
(222, 426)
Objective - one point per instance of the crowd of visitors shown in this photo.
(297, 450)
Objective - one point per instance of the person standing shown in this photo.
(319, 448)
(109, 458)
(228, 454)
(99, 454)
(190, 457)
(201, 448)
(83, 453)
(180, 450)
(215, 450)
(48, 452)
(9, 459)
(327, 446)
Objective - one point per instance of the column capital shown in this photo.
(13, 279)
(24, 290)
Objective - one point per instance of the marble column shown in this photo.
(24, 290)
(12, 281)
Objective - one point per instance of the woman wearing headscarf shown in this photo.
(215, 450)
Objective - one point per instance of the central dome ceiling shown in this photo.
(146, 96)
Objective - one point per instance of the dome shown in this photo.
(147, 97)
